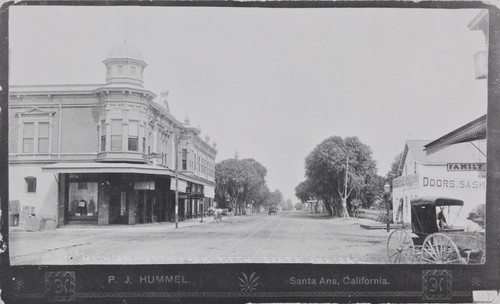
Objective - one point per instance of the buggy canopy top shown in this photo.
(435, 201)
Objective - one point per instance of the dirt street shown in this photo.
(289, 237)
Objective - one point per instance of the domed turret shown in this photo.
(125, 51)
(124, 65)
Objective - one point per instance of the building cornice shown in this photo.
(53, 89)
(123, 88)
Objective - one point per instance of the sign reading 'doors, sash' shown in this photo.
(466, 166)
(147, 185)
(182, 185)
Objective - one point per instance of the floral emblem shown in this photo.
(476, 282)
(248, 284)
(18, 283)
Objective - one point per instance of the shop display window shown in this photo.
(82, 199)
(123, 203)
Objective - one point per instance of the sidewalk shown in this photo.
(23, 243)
(162, 225)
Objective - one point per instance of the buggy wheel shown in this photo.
(438, 248)
(400, 247)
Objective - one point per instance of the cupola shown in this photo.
(124, 65)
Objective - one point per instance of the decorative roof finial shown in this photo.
(164, 100)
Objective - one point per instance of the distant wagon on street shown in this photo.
(273, 210)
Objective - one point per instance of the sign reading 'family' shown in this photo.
(466, 166)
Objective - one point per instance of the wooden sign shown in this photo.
(466, 166)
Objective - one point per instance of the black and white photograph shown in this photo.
(250, 151)
(226, 135)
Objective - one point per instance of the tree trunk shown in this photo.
(343, 211)
(328, 206)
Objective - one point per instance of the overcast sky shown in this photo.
(273, 83)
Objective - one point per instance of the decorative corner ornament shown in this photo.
(436, 284)
(248, 284)
(60, 286)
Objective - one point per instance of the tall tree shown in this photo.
(288, 205)
(336, 168)
(373, 190)
(229, 181)
(395, 168)
(276, 199)
(303, 191)
(240, 182)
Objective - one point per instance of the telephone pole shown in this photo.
(176, 178)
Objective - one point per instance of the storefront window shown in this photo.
(82, 199)
(123, 203)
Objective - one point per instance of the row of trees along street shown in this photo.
(342, 173)
(241, 185)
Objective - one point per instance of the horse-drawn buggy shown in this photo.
(219, 213)
(433, 242)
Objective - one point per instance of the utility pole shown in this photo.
(176, 178)
(346, 175)
(344, 208)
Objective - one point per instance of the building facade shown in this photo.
(455, 171)
(102, 154)
(453, 165)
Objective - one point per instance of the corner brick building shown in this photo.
(102, 154)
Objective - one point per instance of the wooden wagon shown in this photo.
(427, 243)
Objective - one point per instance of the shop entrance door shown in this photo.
(118, 207)
(146, 206)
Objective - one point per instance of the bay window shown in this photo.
(143, 134)
(184, 159)
(103, 136)
(116, 135)
(133, 136)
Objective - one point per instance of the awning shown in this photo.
(107, 168)
(436, 201)
(96, 167)
(474, 130)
